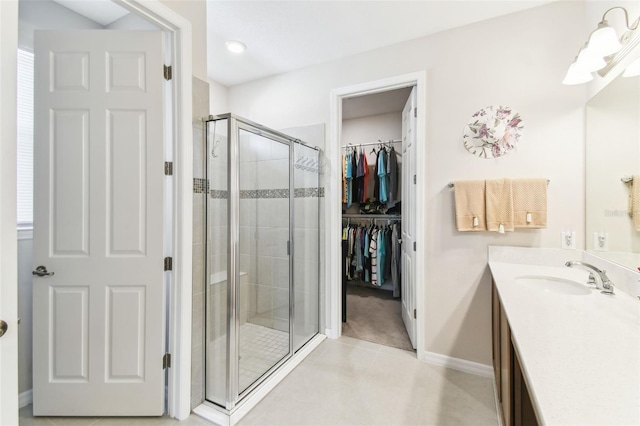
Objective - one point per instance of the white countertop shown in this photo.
(580, 354)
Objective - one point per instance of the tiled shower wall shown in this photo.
(264, 229)
(200, 110)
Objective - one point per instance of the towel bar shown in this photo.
(451, 184)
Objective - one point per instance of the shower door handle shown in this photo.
(288, 248)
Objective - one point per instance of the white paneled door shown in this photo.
(98, 316)
(409, 216)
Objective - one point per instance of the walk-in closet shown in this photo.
(378, 211)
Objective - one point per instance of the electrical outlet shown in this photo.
(601, 241)
(568, 240)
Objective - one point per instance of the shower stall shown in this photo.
(262, 264)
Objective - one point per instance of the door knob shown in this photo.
(41, 271)
(3, 328)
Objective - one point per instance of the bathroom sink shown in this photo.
(554, 285)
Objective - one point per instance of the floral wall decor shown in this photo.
(493, 132)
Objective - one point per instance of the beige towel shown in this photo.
(470, 201)
(634, 191)
(529, 202)
(499, 200)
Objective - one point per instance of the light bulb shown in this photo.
(633, 69)
(235, 46)
(576, 75)
(604, 40)
(590, 61)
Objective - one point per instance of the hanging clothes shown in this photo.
(372, 255)
(382, 175)
(388, 244)
(373, 250)
(359, 178)
(367, 255)
(349, 177)
(382, 253)
(365, 177)
(376, 178)
(392, 174)
(344, 179)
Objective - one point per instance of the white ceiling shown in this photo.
(282, 36)
(103, 12)
(374, 104)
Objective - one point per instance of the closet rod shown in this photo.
(370, 143)
(451, 184)
(372, 216)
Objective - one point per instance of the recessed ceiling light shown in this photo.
(235, 46)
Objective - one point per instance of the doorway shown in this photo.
(376, 151)
(335, 189)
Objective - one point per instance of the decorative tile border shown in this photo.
(308, 192)
(219, 194)
(201, 186)
(264, 193)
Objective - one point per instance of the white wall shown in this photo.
(517, 60)
(48, 15)
(372, 128)
(218, 98)
(131, 22)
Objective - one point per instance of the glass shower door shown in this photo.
(263, 294)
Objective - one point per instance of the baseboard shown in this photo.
(457, 364)
(25, 398)
(331, 334)
(498, 406)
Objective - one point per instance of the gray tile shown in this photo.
(27, 419)
(73, 421)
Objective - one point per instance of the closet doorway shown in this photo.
(377, 143)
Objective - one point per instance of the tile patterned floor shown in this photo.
(351, 382)
(260, 349)
(354, 382)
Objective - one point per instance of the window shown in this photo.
(25, 139)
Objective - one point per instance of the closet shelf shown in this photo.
(372, 216)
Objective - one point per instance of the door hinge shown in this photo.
(168, 72)
(415, 315)
(168, 264)
(415, 112)
(414, 246)
(166, 361)
(168, 168)
(414, 179)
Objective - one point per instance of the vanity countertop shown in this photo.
(580, 354)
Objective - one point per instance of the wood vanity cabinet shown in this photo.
(514, 404)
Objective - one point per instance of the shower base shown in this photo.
(260, 349)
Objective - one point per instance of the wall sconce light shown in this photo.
(633, 69)
(603, 50)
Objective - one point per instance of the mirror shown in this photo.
(613, 155)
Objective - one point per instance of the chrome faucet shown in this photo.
(597, 276)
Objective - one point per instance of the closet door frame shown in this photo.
(333, 176)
